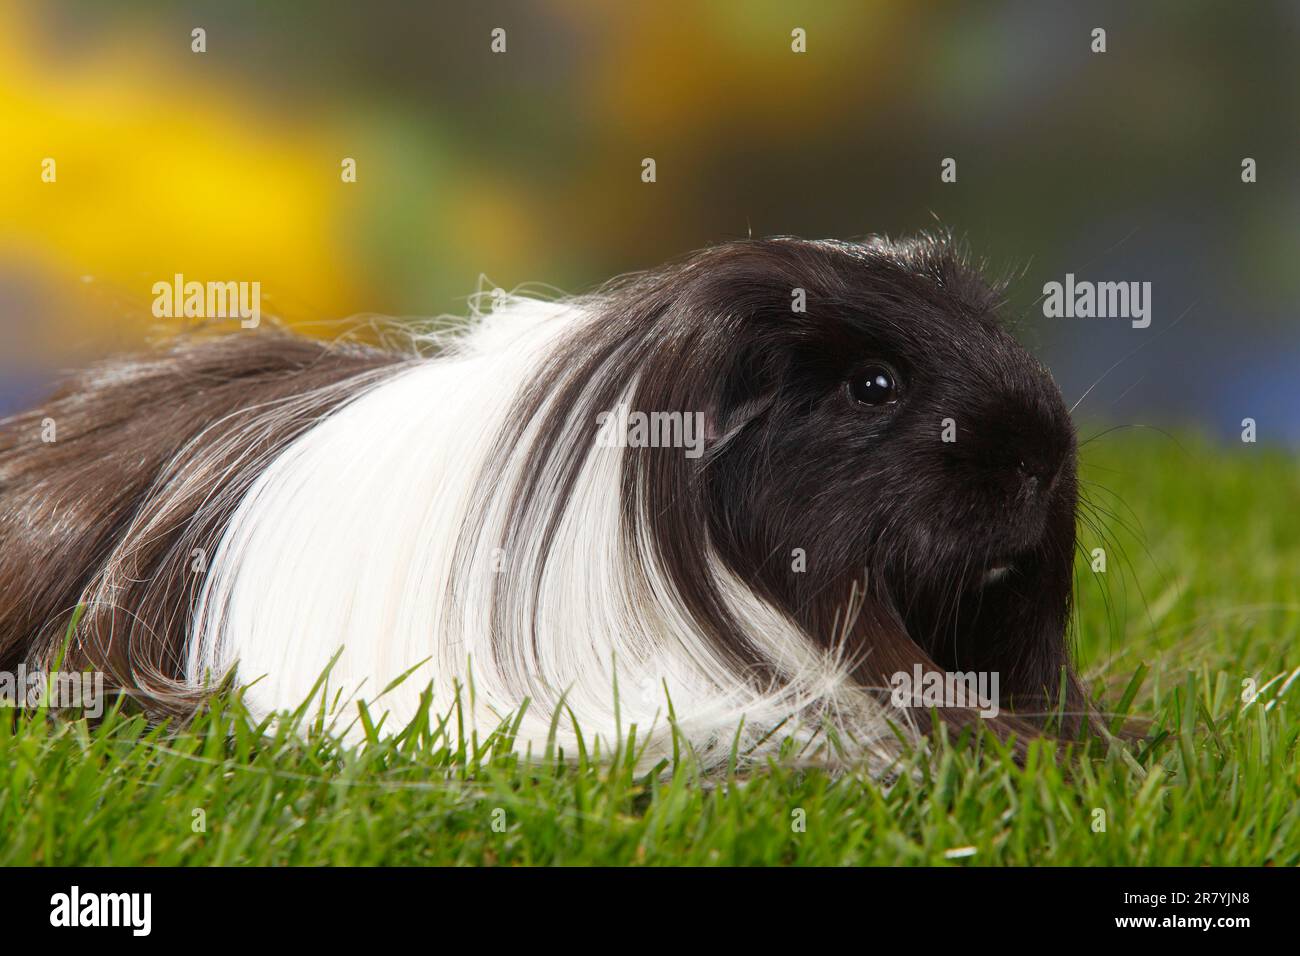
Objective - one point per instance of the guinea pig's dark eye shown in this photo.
(874, 385)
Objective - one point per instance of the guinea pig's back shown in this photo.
(127, 441)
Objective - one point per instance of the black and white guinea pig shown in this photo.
(757, 485)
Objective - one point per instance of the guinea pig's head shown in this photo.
(870, 424)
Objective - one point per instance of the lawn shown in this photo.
(1201, 593)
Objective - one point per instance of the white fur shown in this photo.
(346, 543)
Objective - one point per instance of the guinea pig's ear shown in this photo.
(745, 395)
(721, 427)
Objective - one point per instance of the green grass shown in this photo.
(1200, 593)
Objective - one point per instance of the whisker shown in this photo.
(1154, 338)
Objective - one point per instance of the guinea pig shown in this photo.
(728, 502)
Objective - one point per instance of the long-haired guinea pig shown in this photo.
(735, 501)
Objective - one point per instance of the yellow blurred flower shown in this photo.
(158, 171)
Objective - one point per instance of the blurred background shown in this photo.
(525, 167)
